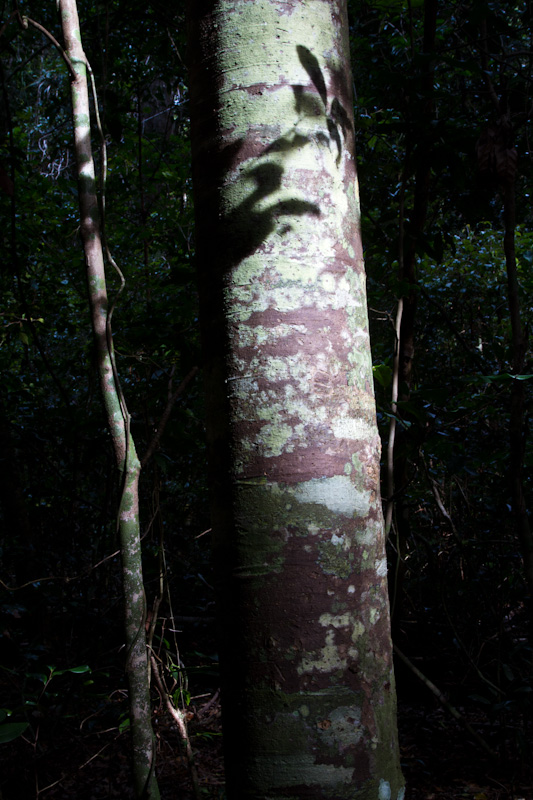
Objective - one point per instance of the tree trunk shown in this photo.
(137, 664)
(419, 150)
(308, 689)
(497, 158)
(517, 424)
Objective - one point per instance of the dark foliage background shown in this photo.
(452, 112)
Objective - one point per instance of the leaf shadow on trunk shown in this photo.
(242, 198)
(242, 230)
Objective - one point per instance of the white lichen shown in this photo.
(336, 493)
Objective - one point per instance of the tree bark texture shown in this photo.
(137, 664)
(308, 689)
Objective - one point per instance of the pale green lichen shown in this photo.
(367, 535)
(289, 407)
(327, 659)
(284, 741)
(342, 540)
(375, 615)
(381, 567)
(272, 30)
(297, 770)
(345, 620)
(335, 620)
(358, 630)
(82, 121)
(344, 729)
(274, 439)
(334, 560)
(259, 335)
(336, 493)
(352, 428)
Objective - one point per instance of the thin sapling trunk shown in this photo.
(137, 662)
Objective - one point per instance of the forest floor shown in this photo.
(439, 759)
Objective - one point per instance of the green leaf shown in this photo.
(383, 374)
(502, 377)
(38, 676)
(412, 408)
(124, 725)
(405, 422)
(480, 699)
(12, 730)
(76, 670)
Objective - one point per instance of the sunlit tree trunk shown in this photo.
(308, 689)
(137, 664)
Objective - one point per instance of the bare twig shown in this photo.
(442, 700)
(36, 580)
(165, 416)
(461, 644)
(25, 21)
(440, 505)
(179, 718)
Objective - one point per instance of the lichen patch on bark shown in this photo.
(336, 493)
(298, 532)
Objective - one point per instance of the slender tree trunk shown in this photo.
(417, 221)
(308, 689)
(497, 158)
(517, 430)
(137, 664)
(410, 243)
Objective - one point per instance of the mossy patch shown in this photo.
(333, 560)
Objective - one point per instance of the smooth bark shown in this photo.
(308, 689)
(137, 664)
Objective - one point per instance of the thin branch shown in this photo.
(467, 654)
(70, 578)
(442, 700)
(179, 718)
(440, 505)
(166, 416)
(31, 583)
(392, 425)
(485, 63)
(173, 43)
(25, 21)
(453, 328)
